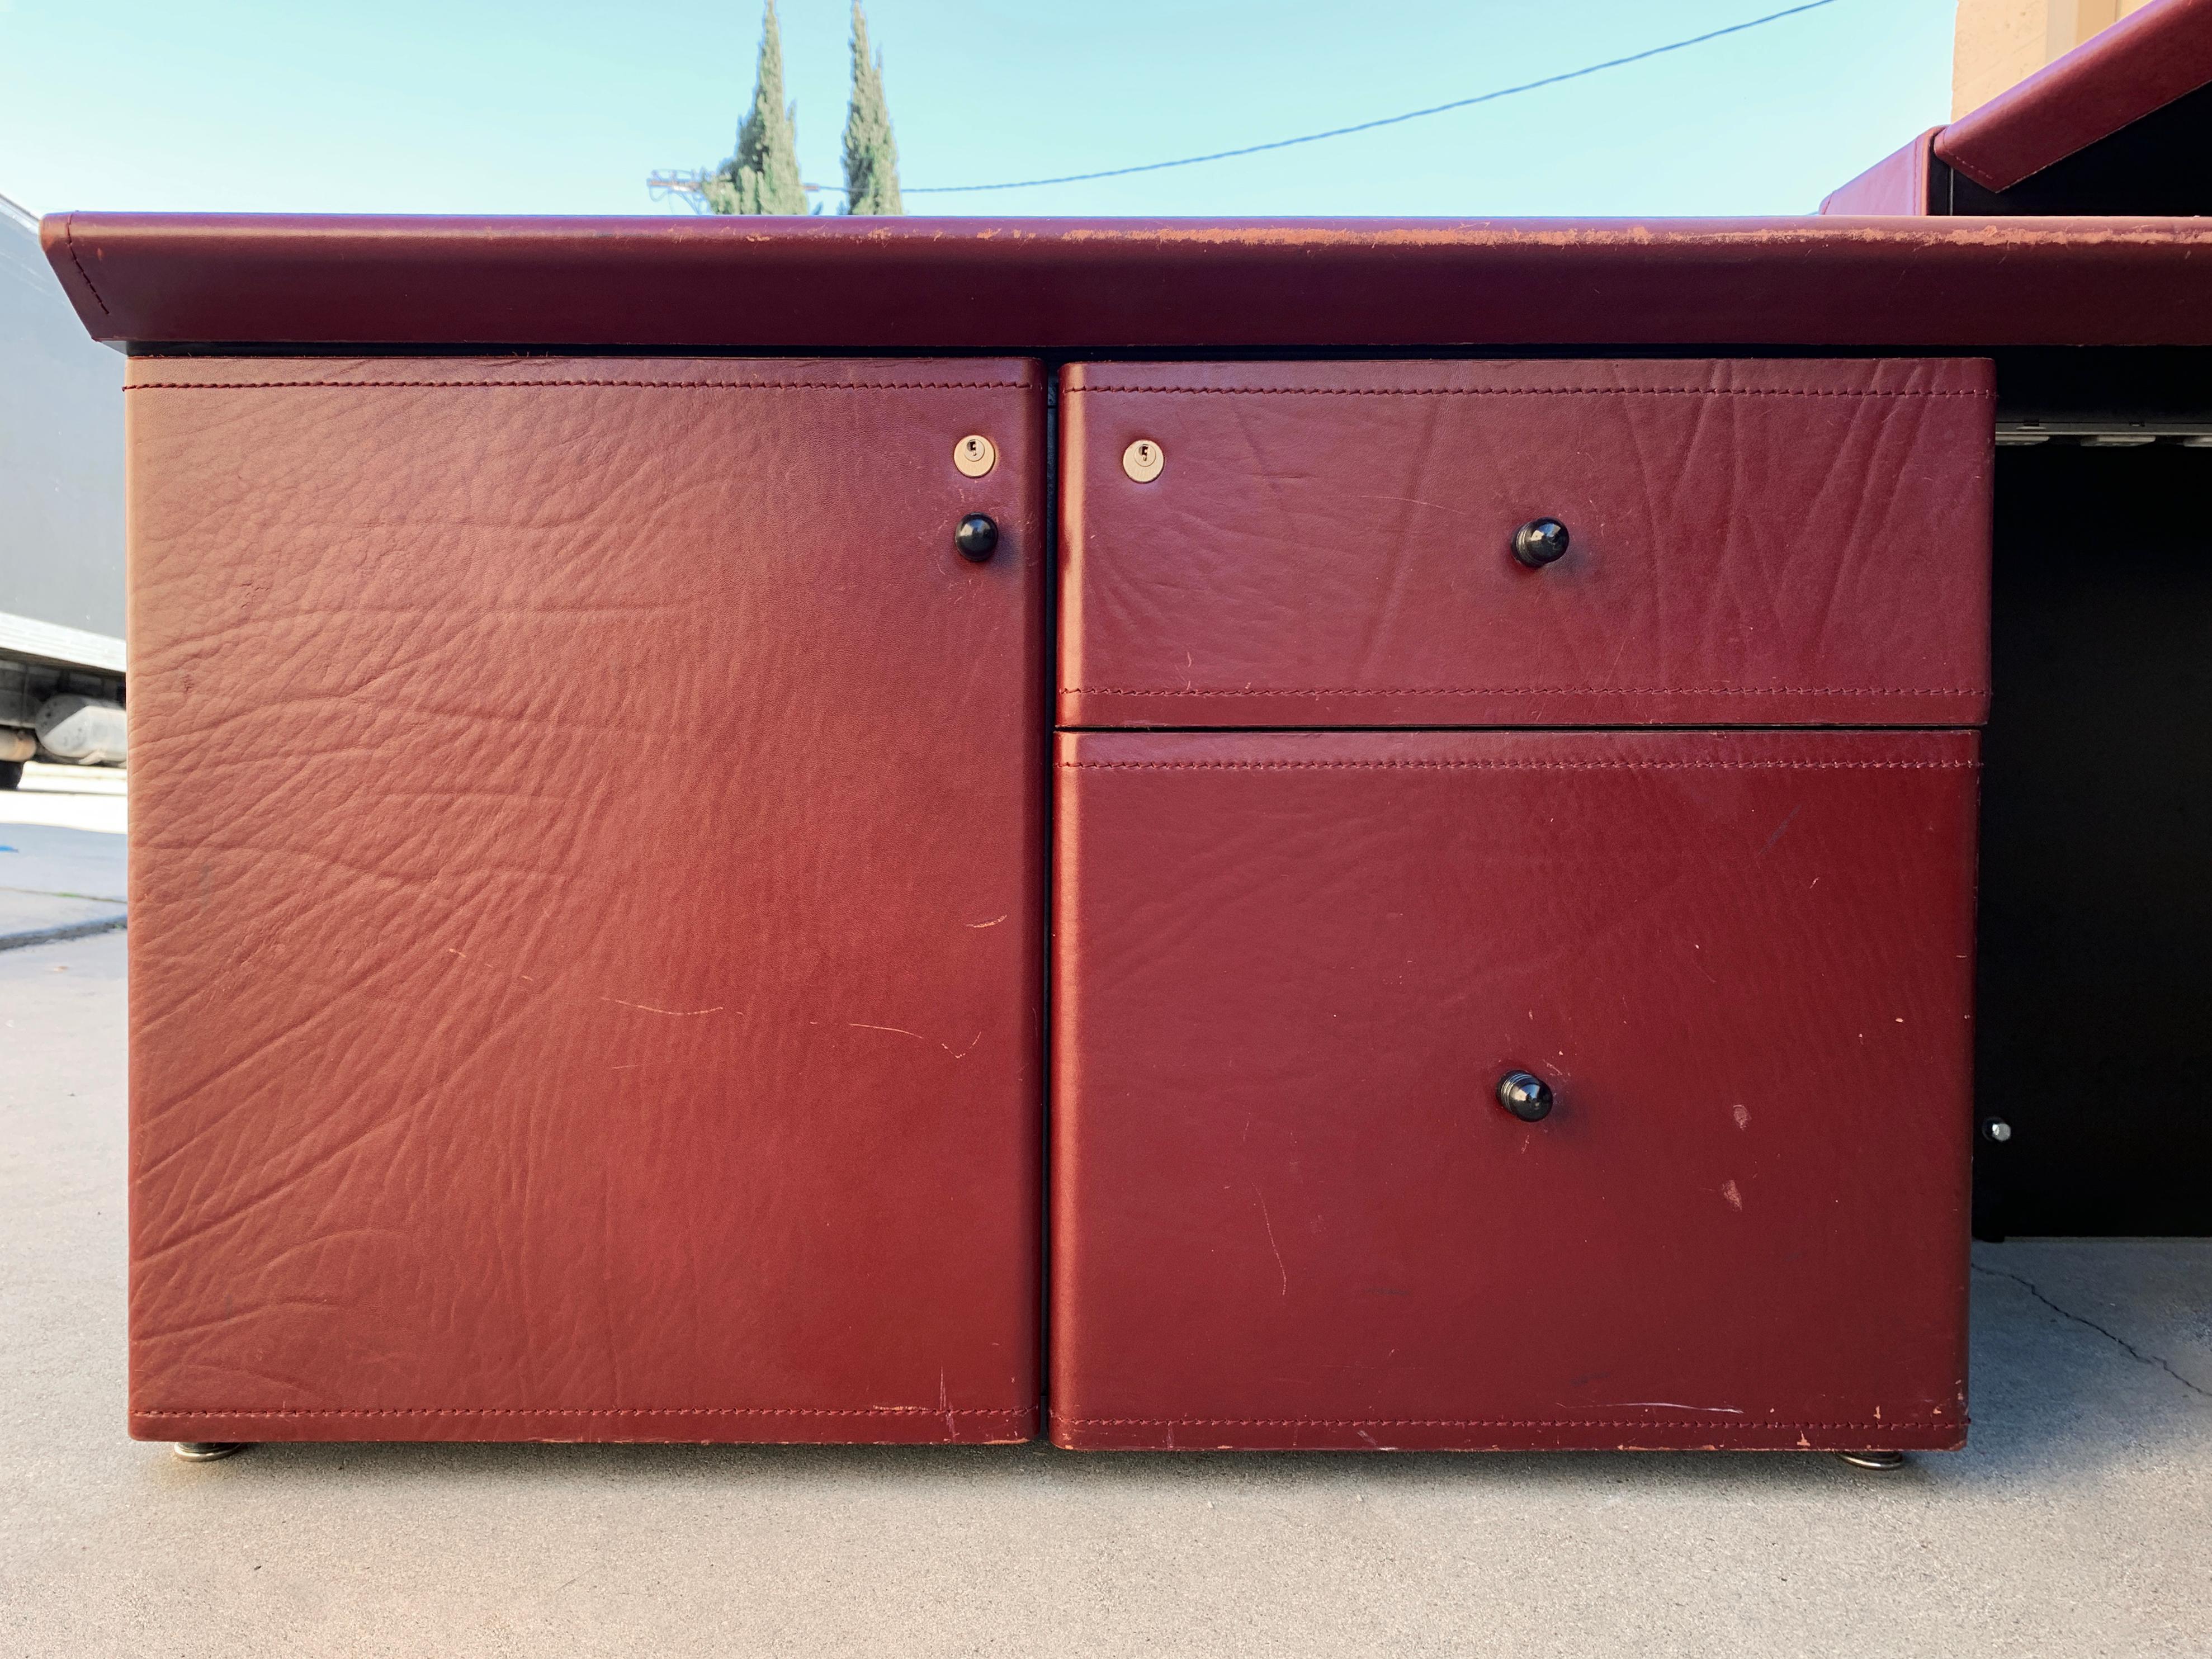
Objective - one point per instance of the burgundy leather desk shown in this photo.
(597, 785)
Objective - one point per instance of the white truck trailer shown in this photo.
(61, 521)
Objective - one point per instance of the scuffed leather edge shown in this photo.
(1547, 1434)
(879, 1424)
(57, 239)
(1070, 286)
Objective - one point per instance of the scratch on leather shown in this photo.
(900, 1030)
(1268, 1222)
(619, 1002)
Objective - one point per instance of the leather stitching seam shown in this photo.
(533, 386)
(1467, 1423)
(1530, 391)
(69, 235)
(1529, 691)
(1520, 766)
(594, 1411)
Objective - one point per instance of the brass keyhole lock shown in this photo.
(974, 455)
(1143, 459)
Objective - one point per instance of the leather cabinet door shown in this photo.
(586, 900)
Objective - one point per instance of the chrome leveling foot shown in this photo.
(208, 1451)
(1883, 1461)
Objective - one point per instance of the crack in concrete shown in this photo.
(2120, 1341)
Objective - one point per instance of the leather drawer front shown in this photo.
(1757, 541)
(586, 934)
(1291, 970)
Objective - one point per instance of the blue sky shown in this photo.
(490, 107)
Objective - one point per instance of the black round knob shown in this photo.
(977, 539)
(1527, 1097)
(1539, 541)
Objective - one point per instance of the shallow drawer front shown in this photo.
(1289, 1208)
(1783, 542)
(585, 932)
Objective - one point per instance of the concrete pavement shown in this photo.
(61, 853)
(2079, 1524)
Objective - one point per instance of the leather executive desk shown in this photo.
(1472, 945)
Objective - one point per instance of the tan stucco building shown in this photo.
(2000, 43)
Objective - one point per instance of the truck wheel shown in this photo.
(11, 773)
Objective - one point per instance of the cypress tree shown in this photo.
(763, 177)
(871, 156)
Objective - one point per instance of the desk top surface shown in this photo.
(169, 282)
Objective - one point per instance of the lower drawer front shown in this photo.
(1292, 968)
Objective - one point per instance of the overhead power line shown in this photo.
(665, 181)
(1387, 120)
